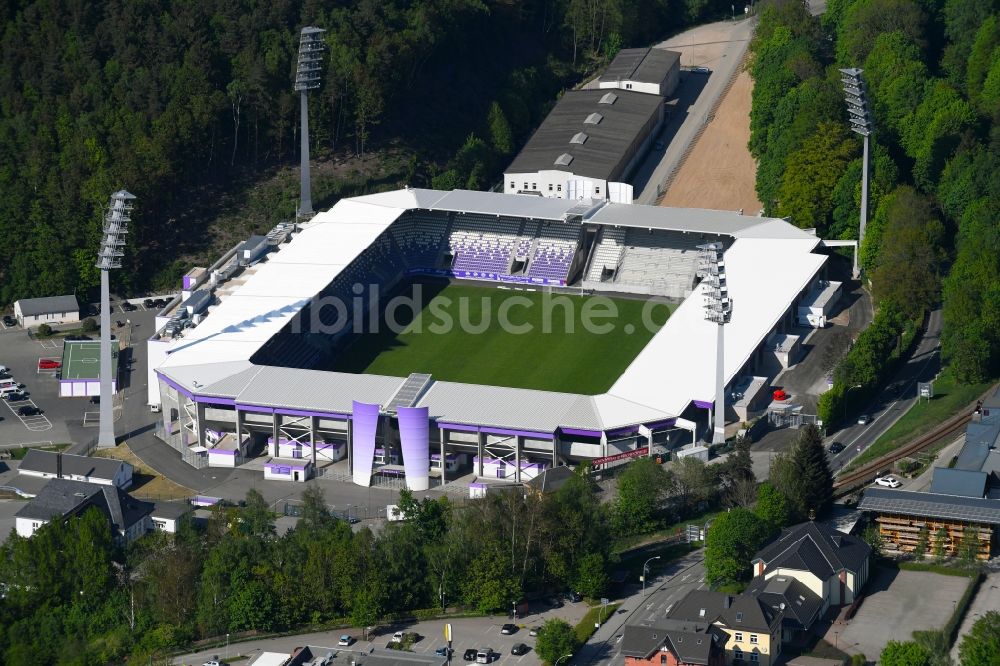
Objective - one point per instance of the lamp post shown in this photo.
(561, 658)
(109, 257)
(856, 96)
(847, 393)
(719, 310)
(311, 47)
(645, 568)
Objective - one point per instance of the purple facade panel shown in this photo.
(365, 419)
(703, 404)
(581, 432)
(175, 385)
(414, 431)
(254, 408)
(461, 427)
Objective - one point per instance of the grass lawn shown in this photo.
(585, 628)
(147, 483)
(457, 336)
(950, 397)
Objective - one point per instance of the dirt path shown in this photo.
(719, 173)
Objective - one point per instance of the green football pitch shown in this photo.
(501, 337)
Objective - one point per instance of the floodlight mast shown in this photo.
(856, 96)
(110, 257)
(718, 310)
(307, 77)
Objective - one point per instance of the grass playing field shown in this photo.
(482, 335)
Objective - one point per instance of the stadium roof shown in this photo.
(612, 131)
(645, 65)
(930, 505)
(213, 359)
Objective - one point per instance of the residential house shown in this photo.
(673, 643)
(50, 465)
(751, 626)
(800, 607)
(47, 310)
(833, 565)
(60, 499)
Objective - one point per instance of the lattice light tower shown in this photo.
(856, 95)
(719, 310)
(110, 256)
(307, 77)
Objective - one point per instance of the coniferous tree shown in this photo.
(812, 470)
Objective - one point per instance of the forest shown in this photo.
(932, 69)
(182, 103)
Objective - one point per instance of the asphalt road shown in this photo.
(896, 398)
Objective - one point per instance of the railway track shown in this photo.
(956, 424)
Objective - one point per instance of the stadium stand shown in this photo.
(607, 254)
(553, 255)
(482, 243)
(658, 262)
(420, 238)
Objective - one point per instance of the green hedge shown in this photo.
(955, 621)
(585, 628)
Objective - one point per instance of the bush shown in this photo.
(88, 325)
(555, 639)
(44, 330)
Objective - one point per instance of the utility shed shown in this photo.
(47, 310)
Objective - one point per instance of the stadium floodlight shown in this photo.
(307, 77)
(856, 96)
(110, 256)
(718, 310)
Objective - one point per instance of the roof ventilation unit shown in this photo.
(580, 138)
(594, 119)
(564, 159)
(608, 98)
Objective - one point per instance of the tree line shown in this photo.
(182, 102)
(931, 69)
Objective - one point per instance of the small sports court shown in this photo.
(81, 368)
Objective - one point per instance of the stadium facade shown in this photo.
(232, 365)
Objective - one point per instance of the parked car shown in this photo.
(442, 651)
(519, 649)
(533, 631)
(345, 641)
(147, 303)
(484, 655)
(214, 662)
(470, 654)
(128, 307)
(28, 410)
(836, 448)
(574, 597)
(9, 321)
(16, 396)
(888, 481)
(864, 419)
(49, 364)
(508, 629)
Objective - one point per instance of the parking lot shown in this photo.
(906, 601)
(467, 633)
(62, 419)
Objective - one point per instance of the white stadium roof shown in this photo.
(768, 264)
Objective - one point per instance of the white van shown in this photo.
(8, 383)
(12, 388)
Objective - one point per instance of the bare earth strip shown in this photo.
(147, 484)
(719, 173)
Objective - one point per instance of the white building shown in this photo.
(593, 140)
(166, 515)
(63, 499)
(649, 70)
(48, 310)
(103, 471)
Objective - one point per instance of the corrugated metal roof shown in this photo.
(645, 65)
(497, 406)
(930, 505)
(613, 128)
(294, 388)
(964, 482)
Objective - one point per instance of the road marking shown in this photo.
(38, 422)
(28, 445)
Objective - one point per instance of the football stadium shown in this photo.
(429, 337)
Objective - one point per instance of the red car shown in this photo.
(49, 364)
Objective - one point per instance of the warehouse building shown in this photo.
(47, 310)
(593, 140)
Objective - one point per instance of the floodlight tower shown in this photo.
(856, 95)
(719, 310)
(311, 47)
(110, 256)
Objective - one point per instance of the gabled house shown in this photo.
(50, 465)
(751, 626)
(60, 499)
(831, 564)
(800, 606)
(673, 643)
